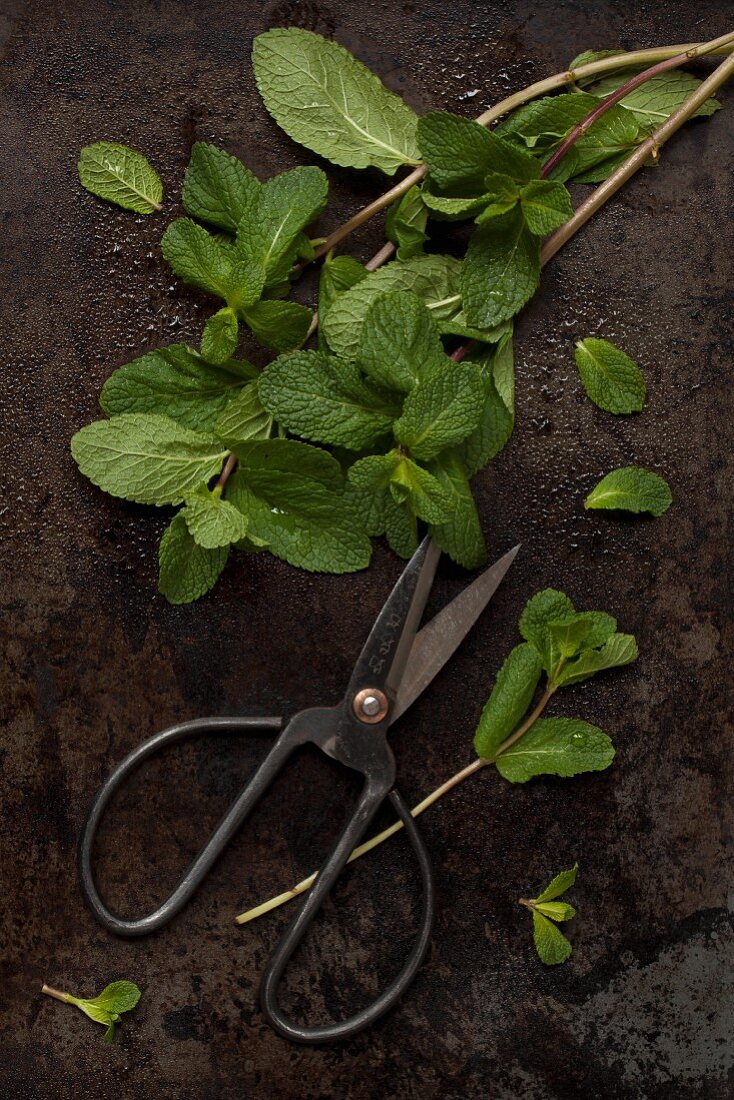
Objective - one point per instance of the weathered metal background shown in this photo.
(94, 660)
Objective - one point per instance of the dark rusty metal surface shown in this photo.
(93, 660)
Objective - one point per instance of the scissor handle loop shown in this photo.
(329, 1033)
(216, 844)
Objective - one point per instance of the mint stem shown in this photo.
(57, 993)
(373, 842)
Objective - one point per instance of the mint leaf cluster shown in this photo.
(547, 912)
(564, 647)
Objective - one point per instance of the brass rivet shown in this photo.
(370, 705)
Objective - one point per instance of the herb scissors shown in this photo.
(396, 664)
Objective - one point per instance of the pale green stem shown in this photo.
(459, 777)
(65, 997)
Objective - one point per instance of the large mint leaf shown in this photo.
(244, 417)
(460, 536)
(540, 612)
(120, 175)
(279, 326)
(328, 101)
(217, 187)
(400, 343)
(611, 379)
(405, 224)
(325, 399)
(620, 649)
(291, 496)
(175, 382)
(511, 696)
(269, 231)
(459, 153)
(187, 570)
(145, 458)
(435, 279)
(441, 412)
(211, 521)
(219, 338)
(658, 97)
(498, 411)
(631, 489)
(501, 271)
(556, 746)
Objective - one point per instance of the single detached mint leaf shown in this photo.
(400, 344)
(211, 521)
(175, 382)
(292, 497)
(244, 418)
(460, 536)
(325, 399)
(405, 225)
(219, 339)
(146, 458)
(433, 278)
(543, 609)
(556, 746)
(498, 415)
(279, 326)
(425, 494)
(658, 97)
(186, 570)
(217, 187)
(328, 101)
(120, 175)
(270, 229)
(631, 489)
(610, 378)
(545, 206)
(441, 412)
(620, 649)
(511, 696)
(501, 271)
(555, 910)
(459, 153)
(550, 943)
(559, 884)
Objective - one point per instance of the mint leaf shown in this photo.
(459, 153)
(586, 630)
(545, 206)
(244, 417)
(328, 101)
(550, 943)
(558, 885)
(542, 124)
(145, 458)
(325, 399)
(658, 97)
(611, 379)
(446, 209)
(435, 279)
(543, 609)
(201, 260)
(116, 998)
(460, 536)
(608, 139)
(556, 746)
(269, 231)
(498, 412)
(441, 411)
(338, 273)
(217, 187)
(555, 910)
(401, 528)
(631, 489)
(427, 497)
(501, 271)
(175, 382)
(503, 193)
(405, 224)
(120, 175)
(400, 344)
(187, 570)
(372, 473)
(219, 339)
(291, 496)
(211, 521)
(620, 649)
(586, 57)
(280, 326)
(511, 696)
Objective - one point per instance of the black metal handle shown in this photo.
(327, 1033)
(219, 839)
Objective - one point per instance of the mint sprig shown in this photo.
(550, 943)
(106, 1008)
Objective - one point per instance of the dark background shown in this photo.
(94, 660)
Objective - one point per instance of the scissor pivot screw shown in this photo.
(370, 705)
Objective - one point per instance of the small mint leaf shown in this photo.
(186, 570)
(121, 175)
(219, 339)
(631, 489)
(550, 943)
(611, 379)
(559, 884)
(511, 696)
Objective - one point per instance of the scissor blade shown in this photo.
(438, 639)
(386, 652)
